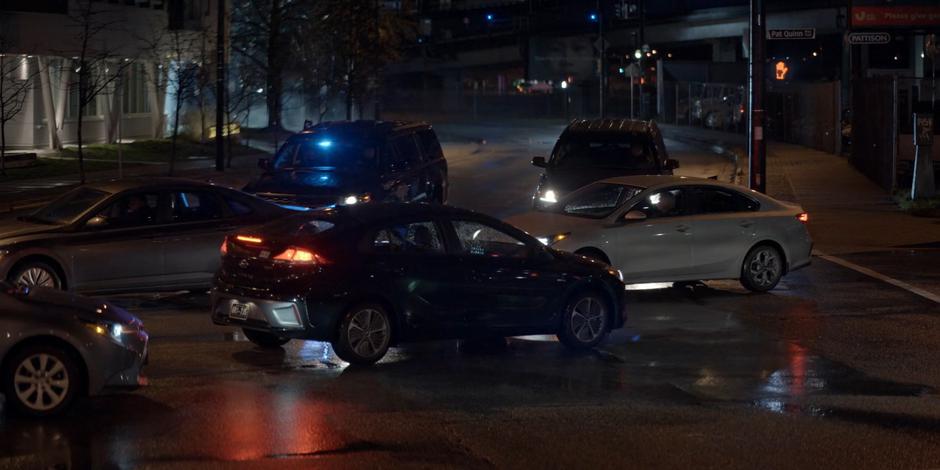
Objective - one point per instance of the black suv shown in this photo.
(592, 150)
(351, 162)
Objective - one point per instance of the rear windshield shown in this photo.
(325, 153)
(619, 151)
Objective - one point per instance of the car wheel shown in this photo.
(41, 380)
(36, 274)
(264, 340)
(763, 268)
(584, 322)
(364, 334)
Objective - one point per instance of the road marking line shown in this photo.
(881, 277)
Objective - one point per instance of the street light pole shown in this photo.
(756, 145)
(220, 87)
(602, 62)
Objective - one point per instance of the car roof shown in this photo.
(361, 129)
(119, 185)
(658, 181)
(610, 126)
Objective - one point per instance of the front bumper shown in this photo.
(122, 363)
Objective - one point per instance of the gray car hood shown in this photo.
(86, 308)
(19, 228)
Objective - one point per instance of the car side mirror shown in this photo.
(98, 221)
(539, 162)
(264, 163)
(672, 164)
(634, 215)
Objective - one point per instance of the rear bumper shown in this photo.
(286, 318)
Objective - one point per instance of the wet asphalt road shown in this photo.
(832, 369)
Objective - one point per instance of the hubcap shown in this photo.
(36, 276)
(368, 332)
(41, 382)
(587, 319)
(764, 267)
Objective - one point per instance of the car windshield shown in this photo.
(69, 206)
(620, 151)
(599, 200)
(323, 152)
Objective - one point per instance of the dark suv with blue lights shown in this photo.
(351, 162)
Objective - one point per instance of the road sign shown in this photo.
(869, 38)
(798, 33)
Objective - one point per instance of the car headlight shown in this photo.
(353, 199)
(114, 331)
(549, 241)
(548, 196)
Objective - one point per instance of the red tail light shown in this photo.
(299, 256)
(224, 248)
(803, 217)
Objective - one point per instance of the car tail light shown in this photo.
(223, 250)
(803, 217)
(249, 239)
(299, 256)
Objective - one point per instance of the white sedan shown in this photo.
(673, 229)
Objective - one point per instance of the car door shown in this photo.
(509, 284)
(409, 259)
(432, 185)
(197, 221)
(723, 232)
(656, 248)
(116, 248)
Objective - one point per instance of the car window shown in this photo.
(482, 240)
(407, 151)
(69, 206)
(599, 200)
(414, 238)
(324, 152)
(188, 206)
(671, 202)
(715, 200)
(627, 152)
(430, 147)
(237, 207)
(132, 210)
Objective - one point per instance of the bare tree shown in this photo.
(16, 80)
(98, 67)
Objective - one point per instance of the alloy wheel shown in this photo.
(764, 267)
(35, 276)
(368, 332)
(41, 382)
(588, 318)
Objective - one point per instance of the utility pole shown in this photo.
(602, 62)
(756, 146)
(220, 88)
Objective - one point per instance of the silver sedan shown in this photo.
(56, 346)
(672, 229)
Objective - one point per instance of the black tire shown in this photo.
(594, 254)
(264, 340)
(41, 380)
(36, 273)
(585, 321)
(762, 268)
(364, 334)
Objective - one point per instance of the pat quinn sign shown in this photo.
(798, 33)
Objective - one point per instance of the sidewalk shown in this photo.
(848, 212)
(24, 194)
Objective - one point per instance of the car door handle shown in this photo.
(682, 228)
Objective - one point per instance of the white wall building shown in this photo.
(43, 40)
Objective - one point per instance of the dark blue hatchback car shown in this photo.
(352, 162)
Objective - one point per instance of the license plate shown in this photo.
(238, 311)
